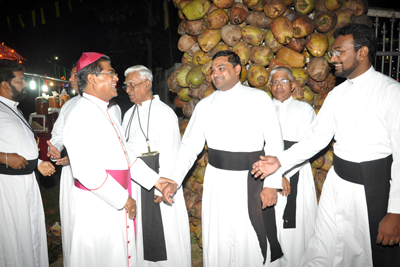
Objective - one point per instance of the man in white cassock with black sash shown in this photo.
(102, 225)
(152, 132)
(358, 220)
(58, 153)
(296, 208)
(23, 240)
(236, 230)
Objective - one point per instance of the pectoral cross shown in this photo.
(149, 153)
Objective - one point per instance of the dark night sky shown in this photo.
(91, 27)
(118, 28)
(82, 30)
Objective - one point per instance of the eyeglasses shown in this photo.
(111, 73)
(131, 85)
(282, 82)
(339, 52)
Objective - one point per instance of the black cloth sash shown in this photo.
(375, 175)
(263, 221)
(64, 153)
(289, 215)
(154, 248)
(32, 164)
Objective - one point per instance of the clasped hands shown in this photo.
(55, 154)
(168, 189)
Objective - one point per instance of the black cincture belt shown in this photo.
(375, 175)
(154, 248)
(263, 221)
(32, 164)
(289, 215)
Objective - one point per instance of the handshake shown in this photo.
(168, 189)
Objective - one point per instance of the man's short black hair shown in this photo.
(92, 68)
(233, 58)
(7, 69)
(73, 65)
(362, 36)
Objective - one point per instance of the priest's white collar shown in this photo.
(9, 102)
(286, 102)
(99, 102)
(147, 102)
(234, 88)
(361, 78)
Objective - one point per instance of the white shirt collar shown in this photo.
(286, 102)
(9, 102)
(147, 102)
(99, 102)
(234, 88)
(361, 78)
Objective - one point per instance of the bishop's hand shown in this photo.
(53, 152)
(266, 166)
(130, 207)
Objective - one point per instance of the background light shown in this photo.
(32, 85)
(45, 88)
(51, 83)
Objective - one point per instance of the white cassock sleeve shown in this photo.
(192, 144)
(393, 123)
(271, 130)
(116, 111)
(320, 134)
(91, 153)
(168, 141)
(141, 173)
(302, 128)
(57, 132)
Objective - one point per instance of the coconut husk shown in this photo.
(188, 107)
(258, 19)
(320, 97)
(195, 211)
(239, 13)
(317, 164)
(183, 124)
(328, 160)
(203, 160)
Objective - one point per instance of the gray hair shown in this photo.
(285, 69)
(144, 73)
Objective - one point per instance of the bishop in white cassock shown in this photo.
(228, 121)
(102, 226)
(56, 145)
(296, 212)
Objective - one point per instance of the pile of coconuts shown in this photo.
(264, 34)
